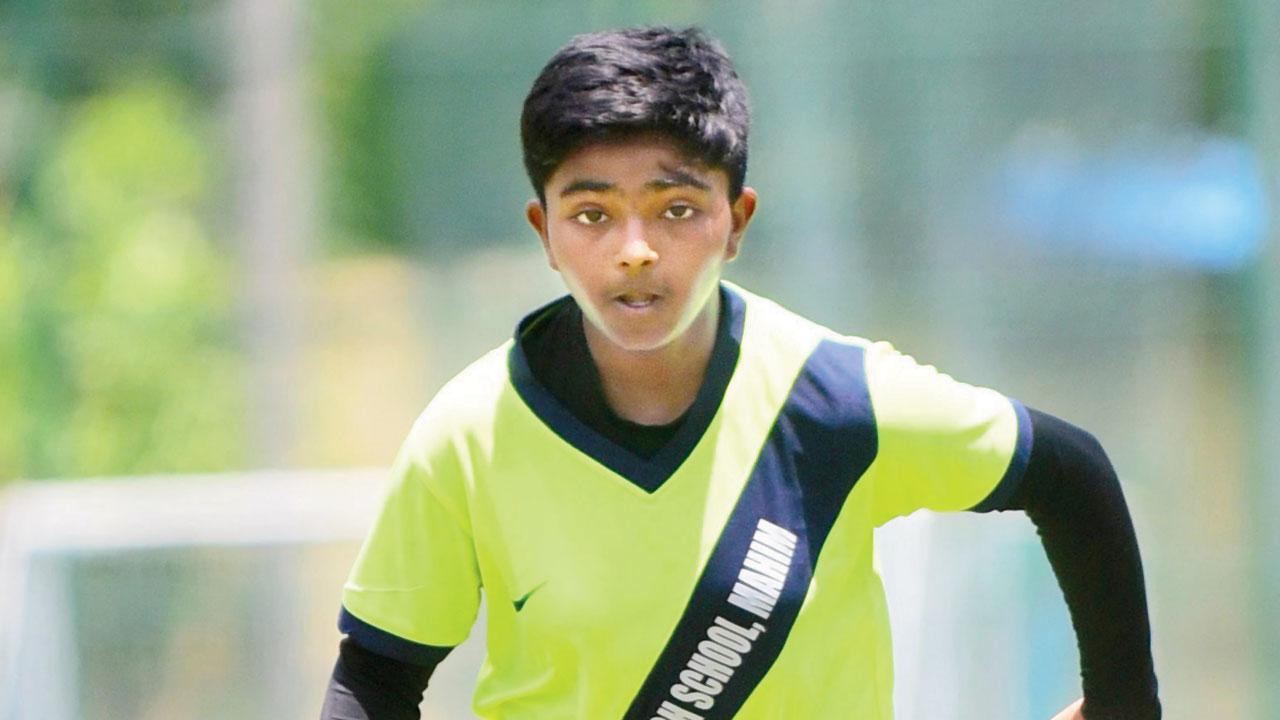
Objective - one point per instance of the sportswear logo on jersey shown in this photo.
(520, 601)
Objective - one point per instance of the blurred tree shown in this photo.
(69, 49)
(355, 91)
(125, 330)
(10, 308)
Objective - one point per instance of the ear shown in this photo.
(740, 212)
(536, 214)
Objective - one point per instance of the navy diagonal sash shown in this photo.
(747, 598)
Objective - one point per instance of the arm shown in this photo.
(413, 591)
(945, 445)
(1071, 493)
(369, 686)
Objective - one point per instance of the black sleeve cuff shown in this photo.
(369, 686)
(389, 645)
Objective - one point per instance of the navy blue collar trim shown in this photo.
(647, 474)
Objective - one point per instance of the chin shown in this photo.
(638, 342)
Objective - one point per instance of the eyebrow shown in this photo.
(677, 178)
(578, 186)
(672, 179)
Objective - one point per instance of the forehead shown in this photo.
(633, 161)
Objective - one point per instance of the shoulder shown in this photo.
(464, 408)
(901, 389)
(771, 328)
(885, 369)
(767, 319)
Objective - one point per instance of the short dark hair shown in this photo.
(620, 83)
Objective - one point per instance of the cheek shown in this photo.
(704, 252)
(565, 249)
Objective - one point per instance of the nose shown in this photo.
(635, 251)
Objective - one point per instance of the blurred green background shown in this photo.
(240, 236)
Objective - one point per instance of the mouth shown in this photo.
(637, 300)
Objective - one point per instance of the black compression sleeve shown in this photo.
(1072, 495)
(369, 686)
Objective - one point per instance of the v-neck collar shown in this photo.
(646, 473)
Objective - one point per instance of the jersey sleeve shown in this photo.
(942, 444)
(415, 585)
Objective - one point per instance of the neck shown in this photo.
(656, 387)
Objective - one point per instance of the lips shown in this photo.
(637, 299)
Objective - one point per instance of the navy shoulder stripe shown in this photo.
(749, 595)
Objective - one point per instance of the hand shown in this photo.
(1072, 712)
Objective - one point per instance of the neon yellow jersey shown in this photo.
(730, 575)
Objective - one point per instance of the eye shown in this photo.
(679, 212)
(590, 216)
